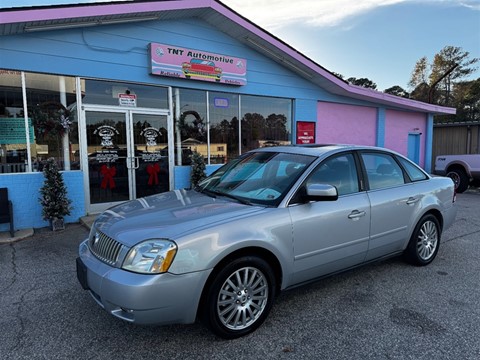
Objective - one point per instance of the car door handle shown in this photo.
(412, 200)
(355, 214)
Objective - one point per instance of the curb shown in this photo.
(19, 235)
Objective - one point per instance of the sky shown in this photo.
(377, 39)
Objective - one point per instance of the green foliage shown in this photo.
(466, 99)
(467, 95)
(436, 82)
(420, 73)
(364, 82)
(53, 193)
(421, 92)
(198, 169)
(397, 91)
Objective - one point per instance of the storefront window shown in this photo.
(223, 127)
(190, 119)
(52, 124)
(266, 121)
(13, 148)
(51, 103)
(124, 94)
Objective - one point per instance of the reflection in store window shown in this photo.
(52, 124)
(13, 148)
(223, 127)
(102, 92)
(265, 121)
(190, 119)
(51, 103)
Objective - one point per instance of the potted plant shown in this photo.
(198, 169)
(53, 197)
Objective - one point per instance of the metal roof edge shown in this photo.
(338, 85)
(16, 15)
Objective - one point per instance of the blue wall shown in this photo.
(120, 52)
(24, 191)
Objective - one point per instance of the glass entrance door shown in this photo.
(126, 156)
(150, 142)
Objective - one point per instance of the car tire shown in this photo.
(239, 298)
(460, 179)
(425, 241)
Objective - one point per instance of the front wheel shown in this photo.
(425, 241)
(240, 297)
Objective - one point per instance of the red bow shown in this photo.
(153, 171)
(108, 174)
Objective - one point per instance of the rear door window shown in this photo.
(382, 170)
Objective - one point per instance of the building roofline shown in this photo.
(253, 36)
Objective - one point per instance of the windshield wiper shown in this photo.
(237, 198)
(214, 194)
(210, 193)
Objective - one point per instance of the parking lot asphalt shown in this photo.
(387, 310)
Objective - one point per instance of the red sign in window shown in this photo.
(305, 132)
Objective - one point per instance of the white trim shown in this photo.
(25, 117)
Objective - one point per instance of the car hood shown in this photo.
(167, 215)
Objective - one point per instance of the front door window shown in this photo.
(151, 154)
(107, 156)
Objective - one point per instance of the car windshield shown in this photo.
(262, 178)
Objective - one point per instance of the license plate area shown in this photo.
(82, 274)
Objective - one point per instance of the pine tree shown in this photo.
(198, 169)
(54, 193)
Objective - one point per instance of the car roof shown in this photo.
(319, 149)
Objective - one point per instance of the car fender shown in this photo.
(269, 231)
(436, 203)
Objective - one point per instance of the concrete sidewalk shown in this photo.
(19, 235)
(5, 237)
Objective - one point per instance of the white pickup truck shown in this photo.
(463, 169)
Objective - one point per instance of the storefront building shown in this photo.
(121, 94)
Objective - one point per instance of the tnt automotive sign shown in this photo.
(174, 61)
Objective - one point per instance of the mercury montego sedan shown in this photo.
(268, 221)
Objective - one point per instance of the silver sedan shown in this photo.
(273, 219)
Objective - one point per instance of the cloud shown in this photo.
(472, 4)
(274, 14)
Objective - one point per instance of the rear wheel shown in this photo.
(460, 179)
(425, 241)
(240, 297)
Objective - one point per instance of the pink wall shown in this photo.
(346, 124)
(398, 124)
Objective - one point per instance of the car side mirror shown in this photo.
(321, 192)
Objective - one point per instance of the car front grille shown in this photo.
(105, 248)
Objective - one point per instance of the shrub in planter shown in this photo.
(53, 197)
(198, 169)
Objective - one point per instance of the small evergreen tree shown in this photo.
(198, 169)
(54, 193)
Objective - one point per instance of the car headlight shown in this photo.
(150, 257)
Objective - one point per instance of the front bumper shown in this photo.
(143, 299)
